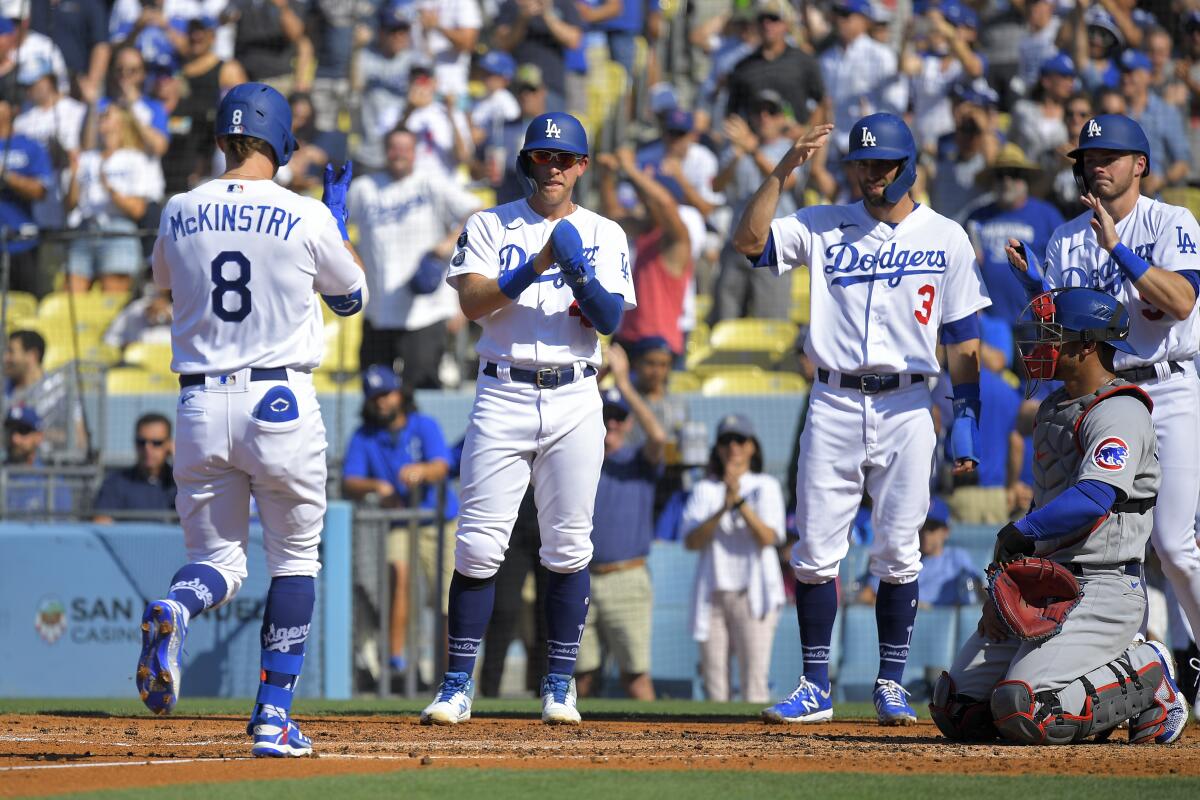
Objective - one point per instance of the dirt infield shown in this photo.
(47, 754)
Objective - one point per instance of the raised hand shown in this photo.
(1103, 225)
(334, 194)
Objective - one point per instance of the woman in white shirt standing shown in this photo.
(108, 192)
(735, 518)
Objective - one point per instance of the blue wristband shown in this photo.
(515, 281)
(1133, 265)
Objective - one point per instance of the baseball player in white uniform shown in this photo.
(888, 276)
(542, 276)
(242, 257)
(1144, 253)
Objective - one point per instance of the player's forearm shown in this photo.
(479, 296)
(1167, 291)
(754, 228)
(962, 361)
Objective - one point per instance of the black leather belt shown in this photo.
(1136, 506)
(256, 374)
(869, 384)
(1147, 373)
(544, 378)
(1132, 568)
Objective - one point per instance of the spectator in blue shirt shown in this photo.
(399, 456)
(80, 29)
(618, 622)
(1170, 157)
(24, 178)
(148, 485)
(29, 493)
(1013, 214)
(948, 578)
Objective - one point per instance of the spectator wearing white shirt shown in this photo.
(54, 121)
(1039, 124)
(108, 192)
(445, 33)
(443, 132)
(381, 78)
(946, 59)
(860, 73)
(1040, 41)
(735, 518)
(498, 105)
(30, 48)
(408, 220)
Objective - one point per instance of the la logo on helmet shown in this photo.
(868, 138)
(1093, 129)
(552, 130)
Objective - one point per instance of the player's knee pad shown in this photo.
(1026, 717)
(959, 717)
(478, 554)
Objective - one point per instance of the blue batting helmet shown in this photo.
(1068, 315)
(257, 110)
(885, 137)
(556, 130)
(1109, 132)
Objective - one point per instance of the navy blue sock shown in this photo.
(197, 587)
(286, 622)
(471, 601)
(566, 612)
(895, 613)
(816, 609)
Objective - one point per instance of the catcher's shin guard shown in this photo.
(1112, 694)
(959, 717)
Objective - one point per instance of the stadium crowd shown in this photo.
(107, 107)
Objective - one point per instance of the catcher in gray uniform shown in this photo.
(1051, 661)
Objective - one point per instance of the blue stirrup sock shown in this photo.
(566, 612)
(197, 587)
(895, 613)
(286, 624)
(816, 611)
(471, 602)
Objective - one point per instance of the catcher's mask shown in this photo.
(1067, 315)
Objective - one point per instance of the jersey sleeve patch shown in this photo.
(1111, 454)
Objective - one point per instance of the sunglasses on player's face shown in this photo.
(556, 157)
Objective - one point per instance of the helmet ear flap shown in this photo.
(905, 178)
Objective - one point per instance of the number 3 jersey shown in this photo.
(879, 293)
(242, 260)
(1165, 236)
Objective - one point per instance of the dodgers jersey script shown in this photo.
(227, 248)
(544, 326)
(879, 292)
(1165, 236)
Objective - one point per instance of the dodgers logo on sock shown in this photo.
(282, 639)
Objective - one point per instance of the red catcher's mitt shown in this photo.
(1033, 596)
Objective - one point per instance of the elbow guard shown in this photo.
(344, 305)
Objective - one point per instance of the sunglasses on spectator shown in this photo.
(770, 18)
(558, 158)
(732, 438)
(140, 442)
(615, 414)
(769, 108)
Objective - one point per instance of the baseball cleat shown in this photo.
(158, 673)
(891, 704)
(276, 734)
(1164, 721)
(558, 700)
(452, 704)
(808, 703)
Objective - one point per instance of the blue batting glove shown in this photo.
(964, 431)
(334, 195)
(568, 252)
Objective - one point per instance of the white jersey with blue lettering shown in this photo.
(242, 260)
(543, 327)
(1165, 236)
(879, 293)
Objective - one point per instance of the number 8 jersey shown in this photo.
(242, 260)
(879, 292)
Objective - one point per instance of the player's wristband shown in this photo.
(1133, 265)
(515, 281)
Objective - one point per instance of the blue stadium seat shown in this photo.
(853, 567)
(972, 535)
(673, 653)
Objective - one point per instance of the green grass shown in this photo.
(597, 709)
(694, 784)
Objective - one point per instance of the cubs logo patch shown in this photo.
(1111, 454)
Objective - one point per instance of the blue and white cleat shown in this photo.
(158, 673)
(1164, 721)
(452, 704)
(276, 735)
(808, 703)
(891, 704)
(558, 700)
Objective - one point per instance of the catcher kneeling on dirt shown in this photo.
(1051, 661)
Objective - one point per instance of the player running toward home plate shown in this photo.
(1144, 253)
(242, 257)
(889, 276)
(541, 276)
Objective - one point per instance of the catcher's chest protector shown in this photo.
(1059, 455)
